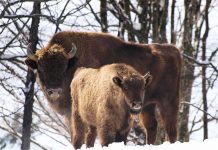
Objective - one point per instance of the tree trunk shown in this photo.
(29, 93)
(173, 34)
(103, 15)
(127, 11)
(159, 20)
(163, 15)
(204, 88)
(144, 20)
(155, 21)
(121, 29)
(187, 72)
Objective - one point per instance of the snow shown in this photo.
(162, 3)
(140, 10)
(109, 6)
(27, 89)
(137, 26)
(206, 62)
(207, 144)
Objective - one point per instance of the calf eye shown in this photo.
(125, 88)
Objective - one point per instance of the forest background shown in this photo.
(26, 120)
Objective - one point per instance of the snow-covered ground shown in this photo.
(210, 144)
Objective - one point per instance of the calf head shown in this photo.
(51, 65)
(133, 88)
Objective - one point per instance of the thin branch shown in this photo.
(19, 136)
(201, 63)
(59, 20)
(12, 57)
(12, 113)
(200, 109)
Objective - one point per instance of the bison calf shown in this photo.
(103, 100)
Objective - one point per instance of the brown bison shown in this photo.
(56, 65)
(103, 99)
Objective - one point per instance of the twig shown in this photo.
(200, 109)
(201, 63)
(12, 113)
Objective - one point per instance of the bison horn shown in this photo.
(147, 74)
(72, 53)
(147, 78)
(30, 53)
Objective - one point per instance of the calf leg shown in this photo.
(121, 136)
(106, 136)
(106, 131)
(77, 131)
(91, 136)
(148, 120)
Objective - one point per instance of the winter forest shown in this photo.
(26, 119)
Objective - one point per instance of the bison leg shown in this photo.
(149, 121)
(77, 133)
(91, 136)
(169, 114)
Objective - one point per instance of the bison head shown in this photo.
(133, 88)
(51, 65)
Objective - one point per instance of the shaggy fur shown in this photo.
(102, 102)
(95, 50)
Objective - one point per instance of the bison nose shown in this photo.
(54, 93)
(137, 104)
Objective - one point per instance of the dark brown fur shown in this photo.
(102, 102)
(54, 76)
(95, 50)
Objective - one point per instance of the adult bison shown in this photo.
(103, 101)
(57, 62)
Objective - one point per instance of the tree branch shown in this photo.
(200, 109)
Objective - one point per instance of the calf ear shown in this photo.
(31, 63)
(147, 78)
(118, 80)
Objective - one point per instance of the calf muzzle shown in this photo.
(54, 93)
(136, 107)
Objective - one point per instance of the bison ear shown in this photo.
(147, 78)
(118, 80)
(31, 63)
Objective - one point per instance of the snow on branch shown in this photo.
(202, 63)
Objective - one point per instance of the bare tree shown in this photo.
(204, 86)
(28, 105)
(188, 69)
